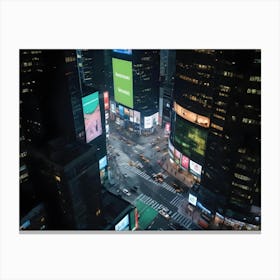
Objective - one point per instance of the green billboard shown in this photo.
(122, 75)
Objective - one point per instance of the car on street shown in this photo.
(126, 192)
(164, 214)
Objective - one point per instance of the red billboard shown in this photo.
(106, 100)
(185, 162)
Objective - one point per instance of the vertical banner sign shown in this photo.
(185, 162)
(122, 77)
(106, 100)
(92, 116)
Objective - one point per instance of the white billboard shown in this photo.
(136, 117)
(148, 122)
(195, 168)
(155, 118)
(192, 199)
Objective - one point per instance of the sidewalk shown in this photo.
(194, 216)
(184, 177)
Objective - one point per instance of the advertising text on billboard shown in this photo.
(122, 77)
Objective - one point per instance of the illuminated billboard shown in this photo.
(155, 118)
(148, 122)
(136, 117)
(126, 114)
(121, 110)
(123, 224)
(192, 199)
(106, 100)
(92, 116)
(123, 51)
(191, 116)
(195, 168)
(185, 162)
(113, 106)
(190, 139)
(122, 77)
(102, 162)
(177, 156)
(131, 115)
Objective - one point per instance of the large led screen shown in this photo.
(190, 139)
(92, 116)
(106, 100)
(195, 168)
(122, 76)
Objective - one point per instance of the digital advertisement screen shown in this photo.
(123, 51)
(191, 116)
(92, 116)
(192, 199)
(137, 117)
(122, 77)
(148, 122)
(113, 107)
(106, 100)
(131, 115)
(155, 118)
(126, 114)
(185, 162)
(190, 139)
(121, 111)
(102, 162)
(195, 168)
(177, 156)
(123, 224)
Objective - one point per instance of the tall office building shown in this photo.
(136, 88)
(94, 92)
(53, 104)
(63, 100)
(190, 122)
(167, 76)
(233, 148)
(67, 179)
(216, 129)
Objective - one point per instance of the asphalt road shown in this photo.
(125, 151)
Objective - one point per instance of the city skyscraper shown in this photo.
(136, 88)
(216, 129)
(63, 157)
(200, 106)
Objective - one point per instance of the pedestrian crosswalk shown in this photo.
(148, 178)
(182, 220)
(177, 200)
(151, 202)
(168, 187)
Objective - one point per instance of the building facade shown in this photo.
(136, 89)
(215, 132)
